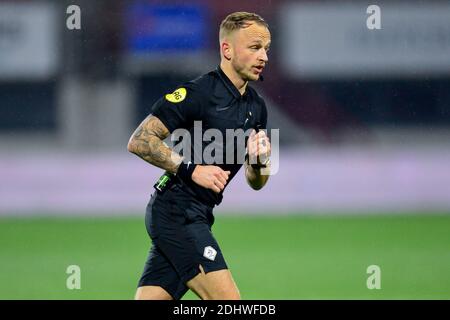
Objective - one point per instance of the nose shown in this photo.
(263, 56)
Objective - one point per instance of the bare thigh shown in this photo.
(214, 285)
(152, 293)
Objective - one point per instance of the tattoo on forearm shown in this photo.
(147, 143)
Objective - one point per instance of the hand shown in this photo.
(258, 148)
(210, 177)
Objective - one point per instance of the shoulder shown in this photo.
(194, 93)
(188, 92)
(200, 87)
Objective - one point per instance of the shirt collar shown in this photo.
(230, 86)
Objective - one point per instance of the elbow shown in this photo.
(257, 184)
(254, 185)
(131, 147)
(257, 187)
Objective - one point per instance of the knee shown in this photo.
(152, 293)
(216, 285)
(233, 296)
(225, 295)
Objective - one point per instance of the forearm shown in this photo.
(258, 148)
(157, 153)
(256, 178)
(147, 143)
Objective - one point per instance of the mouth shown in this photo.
(258, 69)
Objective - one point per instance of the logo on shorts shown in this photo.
(210, 253)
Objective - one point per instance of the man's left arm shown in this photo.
(257, 164)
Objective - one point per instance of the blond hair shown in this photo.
(239, 20)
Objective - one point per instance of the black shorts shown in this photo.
(180, 228)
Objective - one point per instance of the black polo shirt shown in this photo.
(212, 102)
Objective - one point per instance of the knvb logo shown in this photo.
(210, 253)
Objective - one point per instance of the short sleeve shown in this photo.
(180, 108)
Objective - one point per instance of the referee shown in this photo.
(179, 216)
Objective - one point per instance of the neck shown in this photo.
(238, 82)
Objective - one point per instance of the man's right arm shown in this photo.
(147, 142)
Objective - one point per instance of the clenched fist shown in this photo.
(211, 177)
(258, 148)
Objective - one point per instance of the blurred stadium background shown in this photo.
(364, 118)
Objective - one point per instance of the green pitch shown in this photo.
(291, 257)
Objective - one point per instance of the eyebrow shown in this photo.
(259, 42)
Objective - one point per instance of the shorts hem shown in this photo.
(191, 274)
(196, 270)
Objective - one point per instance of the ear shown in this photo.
(226, 50)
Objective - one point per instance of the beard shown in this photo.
(244, 73)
